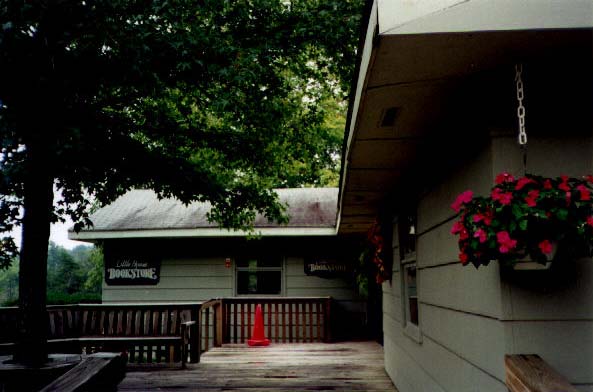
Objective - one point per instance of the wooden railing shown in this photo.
(211, 325)
(150, 332)
(286, 319)
(530, 373)
(9, 324)
(147, 328)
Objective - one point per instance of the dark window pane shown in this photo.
(259, 282)
(412, 295)
(407, 235)
(260, 261)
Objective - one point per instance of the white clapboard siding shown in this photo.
(434, 368)
(470, 318)
(441, 361)
(182, 280)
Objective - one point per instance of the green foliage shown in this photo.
(9, 284)
(94, 266)
(212, 100)
(73, 276)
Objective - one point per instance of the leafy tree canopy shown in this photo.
(205, 100)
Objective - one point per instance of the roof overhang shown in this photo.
(414, 57)
(93, 236)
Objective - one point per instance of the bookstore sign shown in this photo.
(132, 270)
(326, 268)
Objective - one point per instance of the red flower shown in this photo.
(546, 247)
(457, 227)
(504, 177)
(505, 241)
(564, 184)
(486, 217)
(481, 235)
(548, 184)
(590, 221)
(568, 196)
(522, 182)
(585, 193)
(589, 178)
(463, 235)
(463, 198)
(463, 258)
(531, 198)
(503, 198)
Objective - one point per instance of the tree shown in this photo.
(203, 101)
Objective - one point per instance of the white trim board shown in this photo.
(202, 233)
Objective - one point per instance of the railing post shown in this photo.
(327, 321)
(207, 330)
(219, 324)
(194, 335)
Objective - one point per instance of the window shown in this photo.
(411, 294)
(407, 244)
(259, 275)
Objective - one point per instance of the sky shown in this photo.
(58, 234)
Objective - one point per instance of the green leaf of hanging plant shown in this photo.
(517, 212)
(512, 226)
(562, 214)
(523, 225)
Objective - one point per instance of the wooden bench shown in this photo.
(95, 372)
(530, 373)
(147, 333)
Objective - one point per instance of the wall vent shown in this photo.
(388, 117)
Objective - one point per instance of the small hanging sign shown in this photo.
(326, 267)
(132, 270)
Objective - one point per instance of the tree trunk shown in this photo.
(38, 202)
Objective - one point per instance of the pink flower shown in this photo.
(505, 241)
(504, 177)
(548, 184)
(463, 258)
(486, 217)
(589, 178)
(522, 182)
(457, 227)
(503, 198)
(463, 235)
(531, 198)
(546, 247)
(590, 221)
(564, 184)
(463, 198)
(481, 235)
(568, 196)
(585, 193)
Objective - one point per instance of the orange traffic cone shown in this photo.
(258, 338)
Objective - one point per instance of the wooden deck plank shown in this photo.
(349, 366)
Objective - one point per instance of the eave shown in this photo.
(415, 57)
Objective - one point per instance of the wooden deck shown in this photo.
(350, 366)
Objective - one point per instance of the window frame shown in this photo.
(407, 263)
(238, 269)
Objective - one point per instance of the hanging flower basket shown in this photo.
(525, 218)
(374, 252)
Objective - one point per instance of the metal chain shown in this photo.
(520, 109)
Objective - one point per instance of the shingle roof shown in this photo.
(141, 210)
